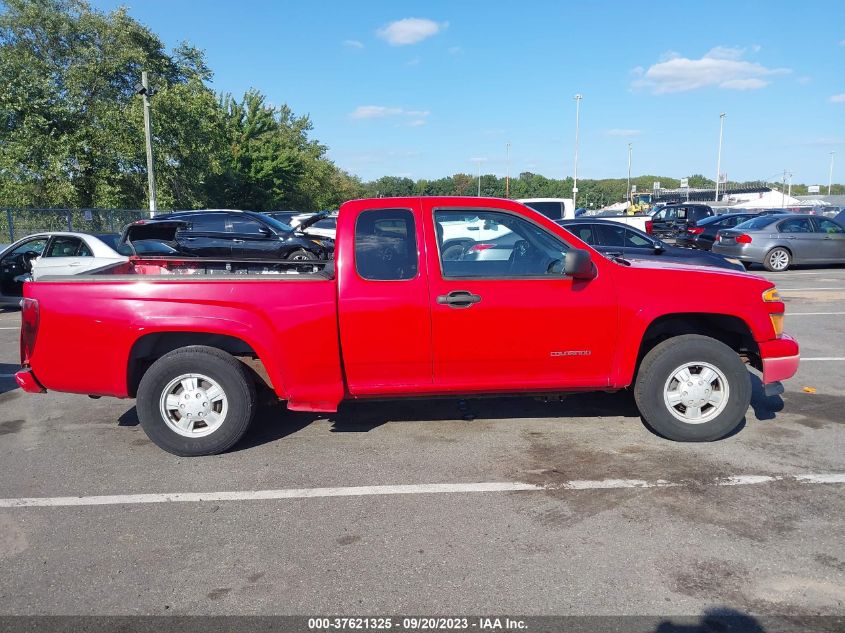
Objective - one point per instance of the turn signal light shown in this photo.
(696, 230)
(743, 239)
(771, 295)
(777, 324)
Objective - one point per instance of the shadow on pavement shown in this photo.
(721, 620)
(273, 421)
(765, 407)
(7, 381)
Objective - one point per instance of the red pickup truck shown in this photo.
(412, 306)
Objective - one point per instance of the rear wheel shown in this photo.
(693, 388)
(777, 260)
(196, 400)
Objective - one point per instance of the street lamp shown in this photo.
(628, 190)
(719, 157)
(830, 174)
(578, 98)
(146, 92)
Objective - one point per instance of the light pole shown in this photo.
(145, 92)
(719, 156)
(578, 98)
(478, 161)
(628, 190)
(508, 174)
(830, 173)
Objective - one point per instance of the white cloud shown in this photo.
(838, 98)
(721, 66)
(725, 52)
(622, 132)
(744, 84)
(410, 31)
(374, 112)
(415, 118)
(353, 44)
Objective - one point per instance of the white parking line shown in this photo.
(792, 314)
(412, 489)
(10, 328)
(826, 288)
(7, 375)
(803, 360)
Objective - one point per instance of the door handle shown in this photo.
(237, 241)
(458, 299)
(75, 264)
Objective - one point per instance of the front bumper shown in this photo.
(26, 380)
(780, 359)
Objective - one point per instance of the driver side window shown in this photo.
(493, 245)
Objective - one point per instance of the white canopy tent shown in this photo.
(766, 200)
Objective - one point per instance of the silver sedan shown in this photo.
(781, 240)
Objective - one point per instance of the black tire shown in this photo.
(659, 365)
(779, 251)
(231, 376)
(301, 254)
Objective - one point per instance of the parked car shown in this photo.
(674, 219)
(552, 208)
(783, 240)
(53, 253)
(283, 216)
(395, 319)
(230, 234)
(322, 224)
(639, 221)
(612, 238)
(702, 233)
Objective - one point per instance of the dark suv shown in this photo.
(674, 219)
(229, 234)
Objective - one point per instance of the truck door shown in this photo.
(384, 313)
(502, 320)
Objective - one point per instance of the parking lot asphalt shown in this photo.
(602, 517)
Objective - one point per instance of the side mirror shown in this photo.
(659, 246)
(578, 264)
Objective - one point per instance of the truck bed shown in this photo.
(212, 267)
(260, 309)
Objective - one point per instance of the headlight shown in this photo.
(771, 295)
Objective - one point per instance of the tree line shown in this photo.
(71, 129)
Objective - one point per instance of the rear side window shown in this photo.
(795, 225)
(207, 223)
(584, 232)
(386, 245)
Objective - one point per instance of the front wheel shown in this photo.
(693, 388)
(777, 260)
(196, 400)
(301, 255)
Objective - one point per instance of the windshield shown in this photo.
(280, 227)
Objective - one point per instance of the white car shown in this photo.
(316, 224)
(54, 253)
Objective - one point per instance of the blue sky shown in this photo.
(420, 89)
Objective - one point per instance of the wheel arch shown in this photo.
(730, 329)
(152, 346)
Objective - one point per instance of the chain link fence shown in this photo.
(18, 223)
